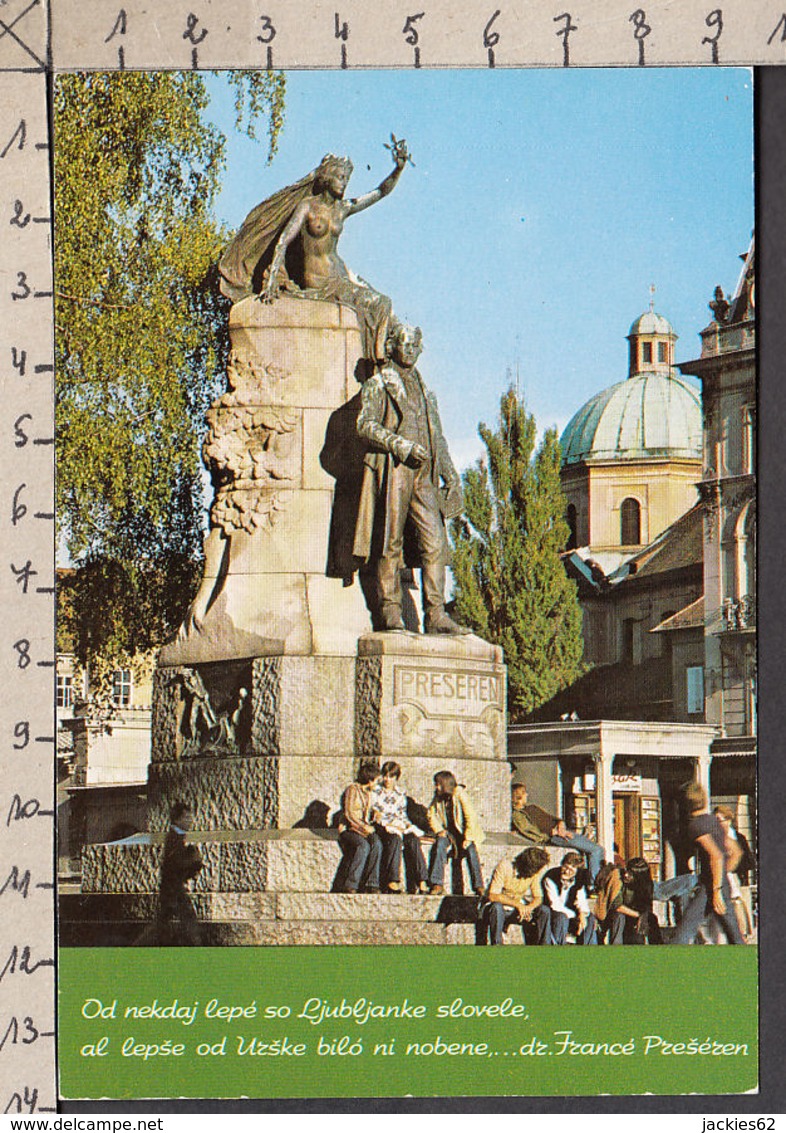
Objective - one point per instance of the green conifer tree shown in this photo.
(510, 584)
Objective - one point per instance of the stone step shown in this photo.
(302, 861)
(116, 919)
(311, 907)
(120, 933)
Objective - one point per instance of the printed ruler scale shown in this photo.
(430, 33)
(203, 34)
(27, 972)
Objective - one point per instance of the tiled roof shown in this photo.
(690, 617)
(679, 546)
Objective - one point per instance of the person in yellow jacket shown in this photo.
(455, 823)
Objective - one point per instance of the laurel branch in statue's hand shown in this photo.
(398, 147)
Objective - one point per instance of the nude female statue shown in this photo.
(290, 241)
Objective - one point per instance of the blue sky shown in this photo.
(541, 207)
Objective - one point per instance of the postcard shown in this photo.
(406, 448)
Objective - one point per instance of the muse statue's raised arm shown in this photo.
(290, 242)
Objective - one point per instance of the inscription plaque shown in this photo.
(442, 694)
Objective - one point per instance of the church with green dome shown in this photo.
(660, 481)
(632, 455)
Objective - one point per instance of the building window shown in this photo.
(663, 352)
(630, 522)
(573, 522)
(665, 636)
(628, 632)
(694, 676)
(65, 692)
(749, 438)
(121, 688)
(743, 607)
(646, 352)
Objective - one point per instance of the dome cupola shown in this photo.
(651, 339)
(653, 414)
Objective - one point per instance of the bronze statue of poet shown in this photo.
(409, 488)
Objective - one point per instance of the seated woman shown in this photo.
(624, 904)
(291, 240)
(357, 836)
(398, 835)
(608, 885)
(453, 819)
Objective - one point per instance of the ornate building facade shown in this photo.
(669, 609)
(727, 370)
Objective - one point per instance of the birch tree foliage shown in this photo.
(140, 329)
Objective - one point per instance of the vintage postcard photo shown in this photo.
(406, 489)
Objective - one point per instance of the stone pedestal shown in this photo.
(430, 703)
(437, 704)
(275, 690)
(292, 378)
(264, 791)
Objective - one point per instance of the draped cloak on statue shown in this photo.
(355, 454)
(243, 265)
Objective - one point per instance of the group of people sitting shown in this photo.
(551, 903)
(585, 897)
(376, 834)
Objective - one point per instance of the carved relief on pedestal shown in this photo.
(250, 451)
(416, 732)
(251, 445)
(203, 711)
(252, 382)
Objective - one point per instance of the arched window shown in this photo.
(745, 546)
(573, 520)
(630, 522)
(749, 438)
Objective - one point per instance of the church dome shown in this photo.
(654, 413)
(651, 414)
(651, 323)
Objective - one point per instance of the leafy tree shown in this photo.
(510, 585)
(140, 338)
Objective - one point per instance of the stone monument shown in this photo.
(277, 684)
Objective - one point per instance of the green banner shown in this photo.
(386, 1022)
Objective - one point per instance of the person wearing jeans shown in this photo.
(357, 837)
(515, 896)
(453, 820)
(566, 897)
(716, 857)
(399, 837)
(675, 891)
(543, 829)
